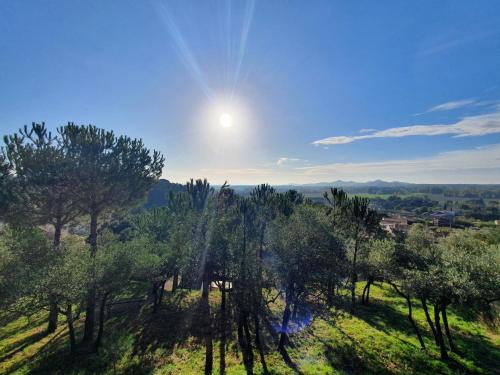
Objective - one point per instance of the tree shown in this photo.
(421, 259)
(68, 280)
(386, 262)
(44, 183)
(222, 243)
(358, 222)
(263, 198)
(112, 174)
(114, 268)
(244, 277)
(466, 273)
(457, 269)
(180, 238)
(304, 246)
(6, 185)
(155, 227)
(201, 195)
(25, 260)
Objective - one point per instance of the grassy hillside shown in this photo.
(378, 339)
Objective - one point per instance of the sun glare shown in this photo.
(226, 120)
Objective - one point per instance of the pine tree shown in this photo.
(112, 173)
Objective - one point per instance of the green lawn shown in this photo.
(378, 339)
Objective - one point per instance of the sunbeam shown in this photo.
(232, 51)
(247, 21)
(184, 52)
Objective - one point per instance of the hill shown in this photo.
(157, 197)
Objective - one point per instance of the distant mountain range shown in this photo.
(340, 183)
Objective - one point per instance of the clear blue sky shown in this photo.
(317, 90)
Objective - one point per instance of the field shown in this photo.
(377, 339)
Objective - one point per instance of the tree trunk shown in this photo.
(447, 330)
(93, 234)
(414, 325)
(249, 347)
(175, 281)
(354, 275)
(410, 313)
(102, 315)
(439, 332)
(53, 314)
(244, 344)
(162, 290)
(364, 293)
(57, 234)
(294, 312)
(88, 333)
(258, 343)
(429, 320)
(241, 338)
(261, 242)
(367, 298)
(223, 328)
(207, 326)
(53, 310)
(285, 321)
(154, 295)
(354, 279)
(71, 330)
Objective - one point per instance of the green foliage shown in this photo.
(68, 279)
(112, 172)
(6, 192)
(305, 249)
(24, 264)
(43, 180)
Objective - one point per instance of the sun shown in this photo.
(226, 120)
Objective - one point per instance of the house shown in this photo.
(443, 218)
(394, 223)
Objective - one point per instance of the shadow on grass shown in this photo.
(132, 336)
(477, 349)
(56, 338)
(173, 323)
(10, 318)
(20, 345)
(349, 356)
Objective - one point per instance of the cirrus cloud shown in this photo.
(468, 126)
(452, 105)
(282, 161)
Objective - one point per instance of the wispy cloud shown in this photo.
(282, 161)
(468, 126)
(443, 44)
(479, 164)
(452, 105)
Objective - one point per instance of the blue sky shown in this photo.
(318, 91)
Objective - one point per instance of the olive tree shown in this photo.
(302, 245)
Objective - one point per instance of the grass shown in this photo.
(377, 339)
